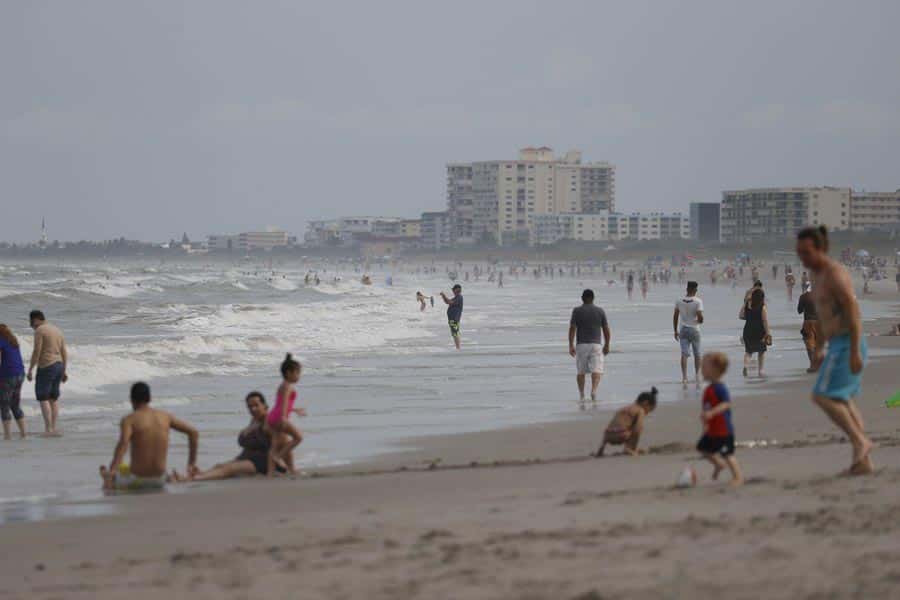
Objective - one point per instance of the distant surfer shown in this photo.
(420, 298)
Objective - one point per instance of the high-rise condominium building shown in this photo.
(705, 221)
(773, 213)
(494, 201)
(875, 211)
(436, 228)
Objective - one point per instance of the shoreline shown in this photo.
(522, 512)
(568, 438)
(568, 527)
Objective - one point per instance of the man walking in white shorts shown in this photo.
(588, 342)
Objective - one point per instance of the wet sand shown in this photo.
(521, 513)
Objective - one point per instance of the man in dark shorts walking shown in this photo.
(454, 312)
(588, 342)
(810, 330)
(50, 358)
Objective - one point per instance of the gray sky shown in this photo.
(145, 119)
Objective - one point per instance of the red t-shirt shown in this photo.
(720, 425)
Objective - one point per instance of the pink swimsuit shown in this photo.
(274, 416)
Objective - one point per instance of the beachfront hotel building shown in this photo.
(495, 201)
(606, 226)
(775, 213)
(875, 211)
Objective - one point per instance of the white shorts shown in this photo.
(589, 358)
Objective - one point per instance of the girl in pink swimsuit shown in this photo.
(285, 437)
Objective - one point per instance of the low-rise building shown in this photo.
(875, 211)
(249, 241)
(222, 242)
(347, 231)
(776, 213)
(262, 240)
(605, 226)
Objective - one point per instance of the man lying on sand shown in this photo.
(628, 424)
(146, 432)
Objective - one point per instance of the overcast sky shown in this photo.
(146, 119)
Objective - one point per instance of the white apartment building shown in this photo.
(346, 230)
(773, 213)
(222, 242)
(605, 226)
(495, 201)
(875, 211)
(262, 240)
(250, 240)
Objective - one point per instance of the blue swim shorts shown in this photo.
(836, 381)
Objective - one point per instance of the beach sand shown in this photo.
(522, 513)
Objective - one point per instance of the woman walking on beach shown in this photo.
(12, 375)
(756, 330)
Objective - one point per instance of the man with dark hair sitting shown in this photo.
(146, 433)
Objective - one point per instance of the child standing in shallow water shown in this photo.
(285, 437)
(628, 423)
(717, 443)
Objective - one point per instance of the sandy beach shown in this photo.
(517, 513)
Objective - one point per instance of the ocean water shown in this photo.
(377, 370)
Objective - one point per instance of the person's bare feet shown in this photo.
(280, 464)
(178, 477)
(861, 453)
(864, 467)
(736, 482)
(107, 478)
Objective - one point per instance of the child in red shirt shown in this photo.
(717, 443)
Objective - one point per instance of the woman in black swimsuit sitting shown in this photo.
(254, 443)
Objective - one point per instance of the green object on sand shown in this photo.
(894, 401)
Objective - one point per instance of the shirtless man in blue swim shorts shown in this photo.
(840, 374)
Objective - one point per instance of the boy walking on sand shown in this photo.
(717, 443)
